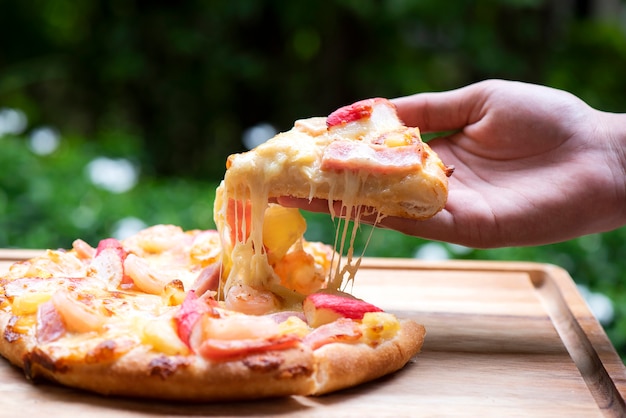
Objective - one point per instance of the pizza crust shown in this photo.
(144, 374)
(12, 349)
(340, 366)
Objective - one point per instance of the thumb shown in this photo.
(443, 111)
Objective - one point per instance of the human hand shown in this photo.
(533, 165)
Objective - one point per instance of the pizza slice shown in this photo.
(361, 155)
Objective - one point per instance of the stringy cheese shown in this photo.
(372, 161)
(250, 177)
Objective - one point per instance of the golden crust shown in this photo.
(341, 366)
(144, 374)
(12, 346)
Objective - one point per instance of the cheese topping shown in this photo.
(313, 158)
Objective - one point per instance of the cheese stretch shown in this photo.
(363, 164)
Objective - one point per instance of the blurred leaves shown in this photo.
(48, 201)
(187, 78)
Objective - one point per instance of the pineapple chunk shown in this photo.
(282, 227)
(401, 138)
(25, 324)
(161, 335)
(28, 303)
(294, 326)
(206, 248)
(173, 293)
(379, 326)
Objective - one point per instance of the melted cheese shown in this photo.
(252, 176)
(374, 161)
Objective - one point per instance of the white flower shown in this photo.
(12, 121)
(114, 175)
(432, 251)
(126, 227)
(257, 134)
(599, 304)
(44, 141)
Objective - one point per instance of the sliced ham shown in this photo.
(108, 263)
(111, 243)
(362, 156)
(208, 279)
(50, 325)
(191, 310)
(282, 316)
(341, 330)
(216, 349)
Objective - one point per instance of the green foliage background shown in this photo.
(172, 87)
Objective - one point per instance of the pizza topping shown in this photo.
(351, 113)
(146, 278)
(250, 300)
(77, 315)
(189, 313)
(324, 307)
(208, 279)
(341, 330)
(238, 326)
(107, 266)
(294, 324)
(28, 302)
(157, 239)
(173, 293)
(11, 334)
(298, 271)
(233, 335)
(161, 335)
(83, 250)
(113, 244)
(50, 326)
(282, 228)
(379, 326)
(216, 349)
(205, 248)
(363, 120)
(375, 111)
(282, 316)
(375, 159)
(53, 263)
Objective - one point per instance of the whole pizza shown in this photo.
(249, 310)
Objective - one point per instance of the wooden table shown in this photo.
(503, 339)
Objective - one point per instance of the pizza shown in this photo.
(361, 156)
(249, 310)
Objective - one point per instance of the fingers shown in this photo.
(312, 205)
(440, 227)
(450, 110)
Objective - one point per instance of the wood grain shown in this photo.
(503, 339)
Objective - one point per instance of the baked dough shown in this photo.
(389, 169)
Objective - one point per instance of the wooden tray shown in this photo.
(503, 339)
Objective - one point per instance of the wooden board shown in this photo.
(503, 339)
